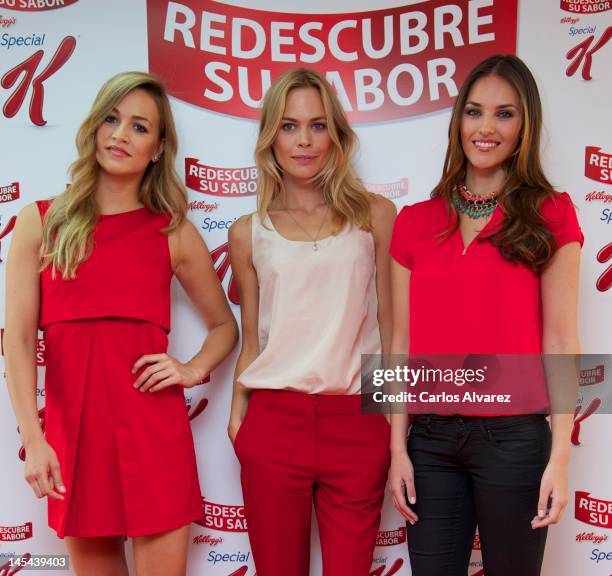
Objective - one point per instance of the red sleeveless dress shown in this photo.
(127, 457)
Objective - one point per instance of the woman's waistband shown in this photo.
(315, 403)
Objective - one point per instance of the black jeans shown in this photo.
(477, 471)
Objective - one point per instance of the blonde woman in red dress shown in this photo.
(92, 268)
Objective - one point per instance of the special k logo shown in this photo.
(582, 54)
(14, 565)
(598, 165)
(195, 410)
(605, 280)
(228, 182)
(25, 75)
(580, 416)
(224, 517)
(15, 533)
(585, 6)
(35, 5)
(393, 569)
(592, 511)
(221, 261)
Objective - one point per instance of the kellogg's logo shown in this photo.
(7, 22)
(593, 375)
(599, 196)
(598, 165)
(384, 64)
(592, 511)
(227, 518)
(591, 537)
(15, 533)
(9, 192)
(390, 190)
(207, 539)
(391, 537)
(585, 6)
(203, 205)
(229, 182)
(35, 5)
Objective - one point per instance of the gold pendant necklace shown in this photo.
(315, 240)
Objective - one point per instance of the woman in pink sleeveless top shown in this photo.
(314, 292)
(92, 268)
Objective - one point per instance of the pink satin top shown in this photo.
(317, 311)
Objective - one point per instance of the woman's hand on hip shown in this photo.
(162, 371)
(401, 481)
(42, 470)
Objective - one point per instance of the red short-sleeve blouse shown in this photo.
(472, 300)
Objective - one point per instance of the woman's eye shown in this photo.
(506, 114)
(319, 126)
(287, 126)
(472, 112)
(110, 119)
(140, 128)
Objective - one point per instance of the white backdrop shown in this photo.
(54, 56)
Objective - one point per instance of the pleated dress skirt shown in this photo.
(127, 457)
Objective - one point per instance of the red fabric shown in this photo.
(127, 457)
(296, 448)
(476, 302)
(113, 284)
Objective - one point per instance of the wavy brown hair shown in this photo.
(69, 223)
(523, 237)
(342, 190)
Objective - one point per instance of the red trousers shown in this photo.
(297, 449)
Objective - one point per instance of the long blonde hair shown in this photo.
(70, 220)
(342, 190)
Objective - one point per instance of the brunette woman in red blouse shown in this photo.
(488, 265)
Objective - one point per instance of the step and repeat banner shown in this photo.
(397, 67)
